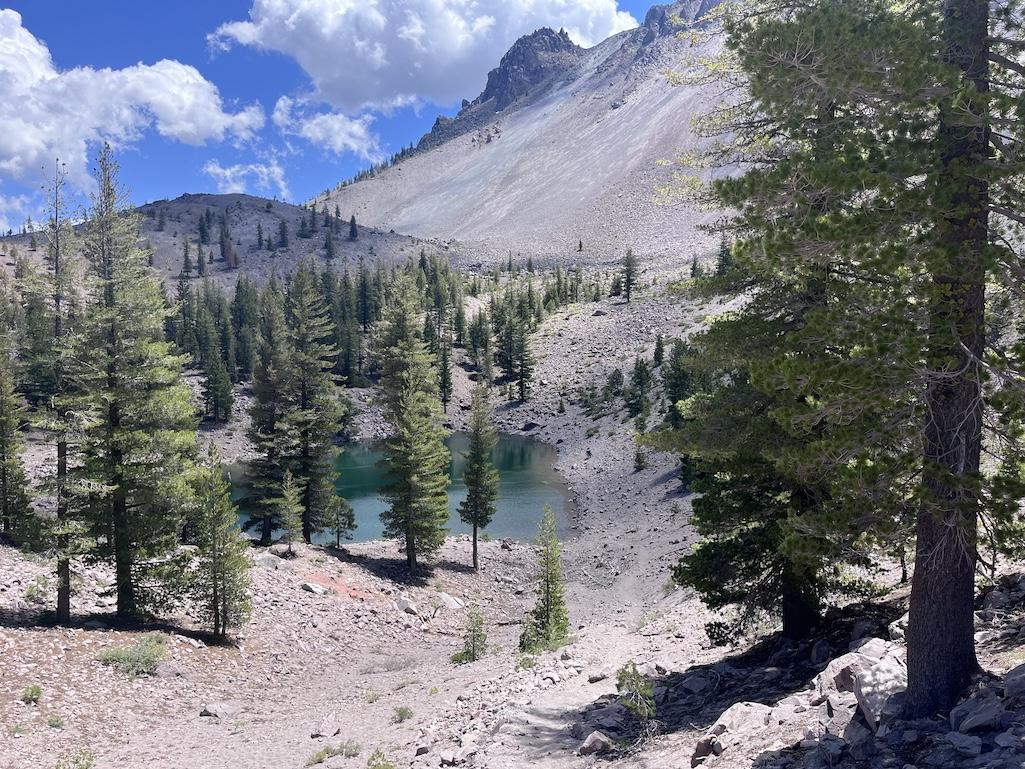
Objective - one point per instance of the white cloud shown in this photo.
(265, 177)
(379, 53)
(13, 211)
(331, 130)
(48, 113)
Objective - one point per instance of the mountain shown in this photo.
(564, 144)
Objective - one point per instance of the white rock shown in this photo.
(596, 743)
(877, 684)
(313, 587)
(839, 674)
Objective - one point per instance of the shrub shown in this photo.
(475, 641)
(373, 696)
(55, 722)
(636, 692)
(82, 758)
(32, 694)
(402, 713)
(378, 760)
(139, 659)
(347, 749)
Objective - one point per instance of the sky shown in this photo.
(281, 98)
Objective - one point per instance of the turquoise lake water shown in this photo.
(527, 483)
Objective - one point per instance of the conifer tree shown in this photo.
(524, 359)
(272, 401)
(140, 436)
(353, 231)
(329, 246)
(340, 519)
(282, 234)
(480, 475)
(218, 395)
(630, 272)
(475, 639)
(220, 582)
(259, 236)
(289, 508)
(187, 260)
(315, 413)
(547, 625)
(15, 511)
(416, 453)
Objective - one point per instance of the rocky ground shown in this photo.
(342, 643)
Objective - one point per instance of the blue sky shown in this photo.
(281, 98)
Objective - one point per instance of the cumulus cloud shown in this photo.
(264, 177)
(333, 131)
(380, 53)
(13, 211)
(48, 113)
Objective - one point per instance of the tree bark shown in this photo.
(476, 565)
(941, 648)
(801, 609)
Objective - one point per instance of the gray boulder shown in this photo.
(1014, 682)
(985, 711)
(875, 685)
(965, 744)
(221, 709)
(596, 743)
(313, 587)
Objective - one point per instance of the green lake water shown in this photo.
(527, 484)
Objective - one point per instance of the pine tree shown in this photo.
(480, 475)
(162, 220)
(547, 625)
(259, 236)
(282, 234)
(353, 231)
(315, 413)
(444, 372)
(475, 639)
(660, 351)
(340, 519)
(220, 582)
(218, 394)
(187, 260)
(272, 401)
(724, 261)
(329, 247)
(630, 271)
(416, 454)
(524, 365)
(141, 426)
(16, 516)
(289, 508)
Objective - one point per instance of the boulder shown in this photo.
(876, 648)
(875, 685)
(898, 628)
(168, 670)
(695, 683)
(965, 744)
(820, 652)
(313, 587)
(984, 711)
(741, 716)
(268, 561)
(839, 674)
(860, 740)
(1014, 682)
(596, 743)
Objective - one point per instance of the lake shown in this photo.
(527, 483)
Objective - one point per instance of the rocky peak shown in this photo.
(663, 20)
(530, 61)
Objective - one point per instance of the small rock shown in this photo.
(820, 652)
(595, 744)
(594, 678)
(450, 602)
(221, 709)
(313, 587)
(407, 606)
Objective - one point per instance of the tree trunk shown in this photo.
(267, 532)
(801, 609)
(476, 565)
(941, 649)
(410, 549)
(63, 560)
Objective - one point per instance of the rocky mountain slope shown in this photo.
(244, 214)
(563, 145)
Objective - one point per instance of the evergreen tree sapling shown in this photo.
(547, 625)
(480, 475)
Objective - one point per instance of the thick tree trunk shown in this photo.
(801, 608)
(941, 649)
(267, 531)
